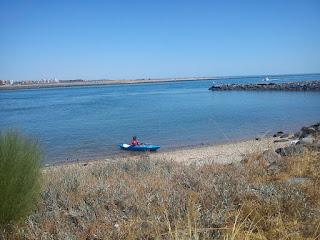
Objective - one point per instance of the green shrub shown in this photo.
(19, 177)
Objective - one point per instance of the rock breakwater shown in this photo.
(291, 86)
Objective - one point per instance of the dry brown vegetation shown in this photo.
(144, 199)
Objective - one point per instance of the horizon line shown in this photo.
(166, 78)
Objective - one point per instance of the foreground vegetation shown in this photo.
(143, 199)
(19, 178)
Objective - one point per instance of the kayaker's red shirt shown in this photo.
(134, 142)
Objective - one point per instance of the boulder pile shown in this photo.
(291, 86)
(307, 137)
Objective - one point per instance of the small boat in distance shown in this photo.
(142, 147)
(266, 79)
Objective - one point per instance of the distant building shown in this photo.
(6, 82)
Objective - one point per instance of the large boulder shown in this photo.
(316, 126)
(281, 134)
(270, 156)
(313, 130)
(307, 140)
(294, 149)
(278, 134)
(274, 167)
(308, 130)
(305, 131)
(273, 161)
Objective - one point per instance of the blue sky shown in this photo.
(150, 39)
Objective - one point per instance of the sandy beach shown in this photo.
(221, 153)
(218, 153)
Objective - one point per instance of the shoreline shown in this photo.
(121, 154)
(103, 83)
(224, 153)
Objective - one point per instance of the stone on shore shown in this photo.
(280, 140)
(278, 134)
(305, 131)
(294, 149)
(270, 157)
(307, 140)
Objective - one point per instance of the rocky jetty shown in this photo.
(291, 86)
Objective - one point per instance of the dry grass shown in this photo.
(144, 199)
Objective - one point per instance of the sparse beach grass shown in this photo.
(159, 199)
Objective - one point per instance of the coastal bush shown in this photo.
(19, 177)
(140, 198)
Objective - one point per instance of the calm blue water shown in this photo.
(89, 122)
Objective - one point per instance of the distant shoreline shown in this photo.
(80, 83)
(101, 82)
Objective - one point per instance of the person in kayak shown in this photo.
(134, 141)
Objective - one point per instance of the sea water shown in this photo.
(89, 122)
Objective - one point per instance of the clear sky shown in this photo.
(93, 39)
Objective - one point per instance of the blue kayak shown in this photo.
(143, 147)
